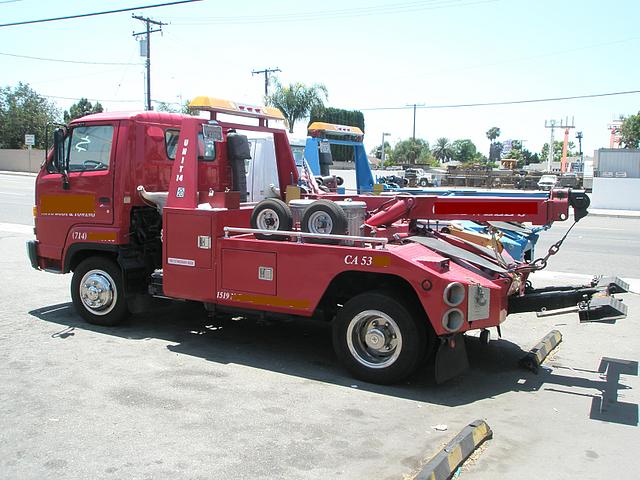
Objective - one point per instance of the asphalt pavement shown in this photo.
(172, 394)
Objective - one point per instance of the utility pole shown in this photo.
(414, 105)
(266, 72)
(148, 22)
(552, 124)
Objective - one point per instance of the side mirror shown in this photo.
(59, 157)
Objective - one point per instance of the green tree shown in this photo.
(412, 151)
(630, 131)
(377, 151)
(296, 100)
(557, 151)
(465, 151)
(80, 109)
(23, 111)
(442, 150)
(495, 148)
(521, 154)
(352, 118)
(175, 108)
(493, 133)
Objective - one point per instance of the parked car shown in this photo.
(547, 182)
(421, 177)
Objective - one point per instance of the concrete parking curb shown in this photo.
(18, 174)
(535, 357)
(615, 214)
(447, 461)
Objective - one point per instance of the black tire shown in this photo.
(97, 292)
(339, 181)
(324, 216)
(424, 182)
(271, 214)
(377, 365)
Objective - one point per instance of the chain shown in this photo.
(540, 263)
(494, 244)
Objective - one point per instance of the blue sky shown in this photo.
(368, 53)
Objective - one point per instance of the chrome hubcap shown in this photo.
(320, 222)
(97, 292)
(268, 220)
(374, 339)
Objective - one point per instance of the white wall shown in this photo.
(616, 193)
(21, 160)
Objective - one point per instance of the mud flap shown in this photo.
(451, 358)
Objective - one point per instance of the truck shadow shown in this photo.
(303, 349)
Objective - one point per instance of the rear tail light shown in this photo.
(453, 319)
(453, 294)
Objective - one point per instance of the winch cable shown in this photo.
(541, 263)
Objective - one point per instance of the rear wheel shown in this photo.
(378, 338)
(97, 291)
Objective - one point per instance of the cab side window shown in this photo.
(90, 148)
(206, 148)
(171, 138)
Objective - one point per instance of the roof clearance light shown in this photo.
(219, 105)
(317, 129)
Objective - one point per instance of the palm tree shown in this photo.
(493, 133)
(442, 150)
(296, 100)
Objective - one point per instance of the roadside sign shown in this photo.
(29, 139)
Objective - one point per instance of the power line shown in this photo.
(106, 12)
(333, 14)
(89, 98)
(509, 102)
(105, 100)
(64, 61)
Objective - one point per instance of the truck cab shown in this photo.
(90, 204)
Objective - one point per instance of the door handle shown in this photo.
(104, 200)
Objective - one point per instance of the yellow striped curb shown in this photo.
(447, 461)
(535, 357)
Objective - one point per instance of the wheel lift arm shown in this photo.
(538, 211)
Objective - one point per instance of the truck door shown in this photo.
(91, 151)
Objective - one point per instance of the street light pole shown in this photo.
(384, 134)
(579, 137)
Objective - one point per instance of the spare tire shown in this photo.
(325, 217)
(271, 214)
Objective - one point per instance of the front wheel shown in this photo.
(378, 338)
(97, 291)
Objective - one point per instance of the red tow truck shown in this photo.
(152, 204)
